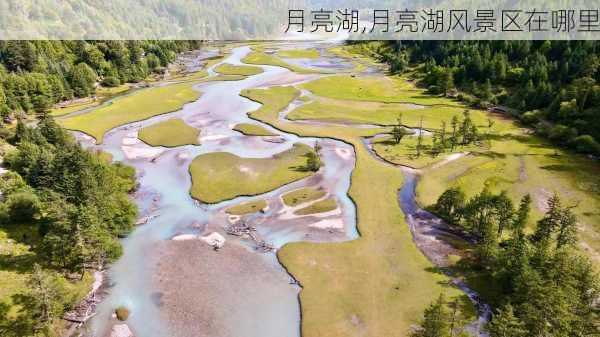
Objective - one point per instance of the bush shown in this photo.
(22, 206)
(561, 133)
(122, 313)
(586, 144)
(531, 117)
(111, 81)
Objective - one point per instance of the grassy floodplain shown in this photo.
(384, 89)
(377, 285)
(322, 206)
(247, 207)
(221, 176)
(169, 133)
(301, 196)
(138, 106)
(260, 57)
(249, 129)
(524, 164)
(102, 93)
(230, 69)
(377, 113)
(298, 53)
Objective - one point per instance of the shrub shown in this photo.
(531, 117)
(561, 133)
(122, 313)
(111, 81)
(586, 144)
(22, 206)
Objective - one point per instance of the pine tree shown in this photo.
(443, 137)
(506, 324)
(398, 131)
(454, 138)
(520, 221)
(44, 296)
(567, 231)
(436, 320)
(420, 137)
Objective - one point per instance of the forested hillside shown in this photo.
(148, 19)
(62, 210)
(34, 75)
(550, 85)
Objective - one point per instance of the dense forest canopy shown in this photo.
(69, 206)
(550, 85)
(34, 75)
(541, 284)
(147, 19)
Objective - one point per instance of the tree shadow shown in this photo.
(559, 168)
(21, 322)
(19, 263)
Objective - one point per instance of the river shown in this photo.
(185, 288)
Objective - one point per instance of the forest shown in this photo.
(551, 86)
(71, 206)
(34, 75)
(540, 283)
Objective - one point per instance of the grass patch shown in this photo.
(222, 176)
(302, 195)
(258, 56)
(230, 69)
(524, 164)
(336, 110)
(273, 99)
(169, 133)
(138, 106)
(247, 207)
(102, 93)
(298, 53)
(65, 110)
(249, 129)
(377, 285)
(322, 206)
(374, 88)
(405, 153)
(16, 264)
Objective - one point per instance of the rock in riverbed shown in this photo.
(121, 330)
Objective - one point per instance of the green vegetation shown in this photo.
(122, 313)
(247, 207)
(253, 130)
(322, 206)
(34, 75)
(62, 212)
(532, 275)
(378, 284)
(373, 88)
(405, 153)
(298, 53)
(302, 195)
(222, 176)
(550, 85)
(230, 69)
(273, 99)
(524, 164)
(260, 57)
(62, 111)
(441, 320)
(419, 150)
(334, 110)
(170, 133)
(138, 106)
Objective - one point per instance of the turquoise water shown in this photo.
(163, 193)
